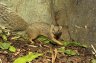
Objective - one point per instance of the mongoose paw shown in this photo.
(31, 41)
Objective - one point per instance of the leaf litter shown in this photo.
(15, 50)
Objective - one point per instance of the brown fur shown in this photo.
(44, 29)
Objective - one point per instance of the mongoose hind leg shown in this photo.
(32, 36)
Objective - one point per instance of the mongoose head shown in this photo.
(56, 30)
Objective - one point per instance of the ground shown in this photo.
(52, 53)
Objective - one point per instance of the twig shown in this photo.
(94, 50)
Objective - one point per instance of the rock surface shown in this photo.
(81, 15)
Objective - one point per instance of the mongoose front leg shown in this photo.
(53, 36)
(31, 40)
(58, 42)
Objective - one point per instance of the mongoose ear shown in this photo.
(60, 27)
(52, 26)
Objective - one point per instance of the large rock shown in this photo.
(82, 20)
(32, 10)
(80, 17)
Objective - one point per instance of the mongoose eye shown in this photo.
(57, 33)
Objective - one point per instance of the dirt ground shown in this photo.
(50, 52)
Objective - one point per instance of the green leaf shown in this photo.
(4, 37)
(31, 56)
(93, 60)
(85, 46)
(4, 45)
(15, 37)
(20, 60)
(44, 39)
(65, 43)
(61, 49)
(70, 52)
(12, 49)
(73, 44)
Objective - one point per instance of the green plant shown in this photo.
(12, 49)
(70, 52)
(31, 56)
(44, 39)
(7, 46)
